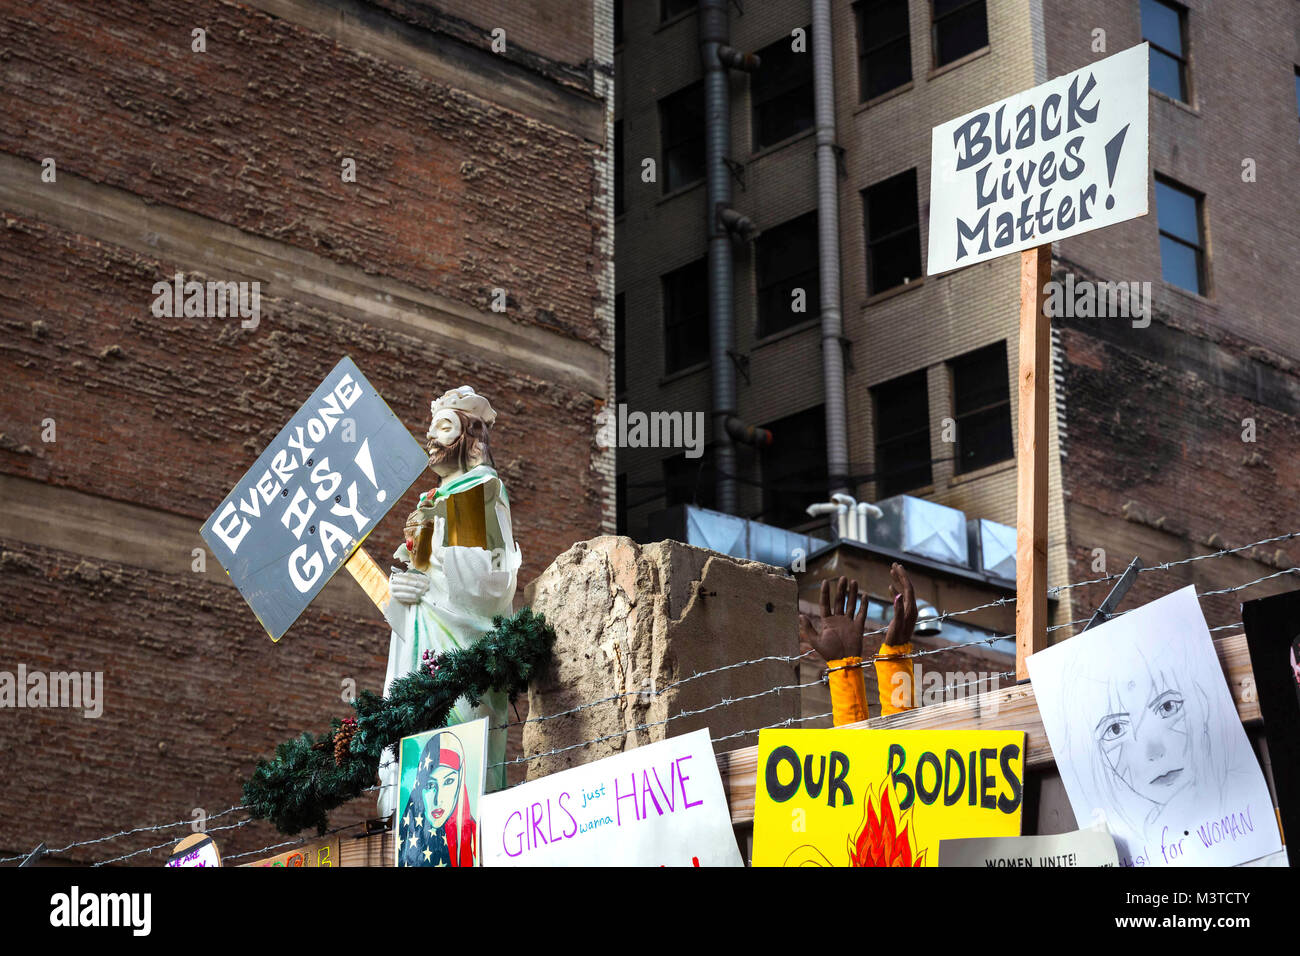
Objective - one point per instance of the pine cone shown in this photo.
(342, 738)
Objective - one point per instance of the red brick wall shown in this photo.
(557, 30)
(1156, 463)
(454, 195)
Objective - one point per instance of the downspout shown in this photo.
(828, 249)
(722, 221)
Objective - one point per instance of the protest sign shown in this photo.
(440, 794)
(1054, 161)
(658, 805)
(1148, 741)
(195, 850)
(312, 855)
(1080, 848)
(882, 797)
(1273, 636)
(322, 484)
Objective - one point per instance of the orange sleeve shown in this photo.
(848, 692)
(888, 682)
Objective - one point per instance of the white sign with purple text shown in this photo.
(658, 805)
(1063, 158)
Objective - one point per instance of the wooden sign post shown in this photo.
(1058, 160)
(366, 571)
(1035, 373)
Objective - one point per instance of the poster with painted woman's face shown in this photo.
(1148, 740)
(439, 793)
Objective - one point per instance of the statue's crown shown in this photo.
(466, 400)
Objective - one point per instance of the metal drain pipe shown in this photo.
(828, 249)
(722, 222)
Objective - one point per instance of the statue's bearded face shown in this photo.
(457, 442)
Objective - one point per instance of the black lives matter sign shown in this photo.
(322, 485)
(1063, 158)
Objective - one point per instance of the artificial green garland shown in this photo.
(303, 783)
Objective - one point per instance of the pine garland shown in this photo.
(303, 783)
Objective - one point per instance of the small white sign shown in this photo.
(1080, 848)
(1061, 159)
(658, 805)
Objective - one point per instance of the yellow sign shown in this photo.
(311, 855)
(882, 797)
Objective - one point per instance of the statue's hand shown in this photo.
(407, 587)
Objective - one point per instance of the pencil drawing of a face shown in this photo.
(1144, 738)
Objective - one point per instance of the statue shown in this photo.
(460, 561)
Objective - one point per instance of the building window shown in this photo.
(781, 91)
(620, 352)
(686, 316)
(902, 410)
(884, 47)
(794, 468)
(786, 260)
(960, 27)
(1164, 26)
(618, 23)
(671, 8)
(619, 198)
(1182, 240)
(981, 405)
(690, 481)
(681, 132)
(1297, 89)
(893, 232)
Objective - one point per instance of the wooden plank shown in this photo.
(370, 576)
(1035, 377)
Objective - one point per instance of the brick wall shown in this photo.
(226, 165)
(922, 326)
(1157, 465)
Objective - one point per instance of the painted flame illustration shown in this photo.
(880, 842)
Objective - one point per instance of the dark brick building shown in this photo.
(477, 135)
(1146, 445)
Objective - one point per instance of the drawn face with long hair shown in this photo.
(1144, 738)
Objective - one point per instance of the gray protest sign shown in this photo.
(321, 486)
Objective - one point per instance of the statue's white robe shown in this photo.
(467, 588)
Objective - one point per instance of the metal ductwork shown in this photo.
(828, 249)
(722, 223)
(747, 434)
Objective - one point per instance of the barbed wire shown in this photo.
(724, 702)
(1166, 565)
(298, 842)
(123, 833)
(169, 843)
(914, 655)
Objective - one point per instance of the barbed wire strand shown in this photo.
(726, 702)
